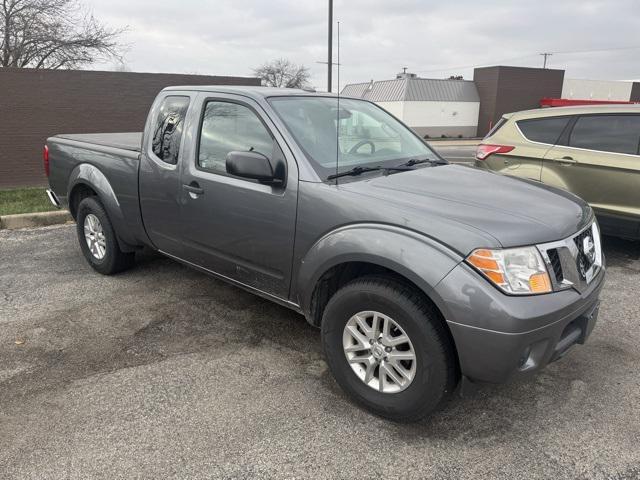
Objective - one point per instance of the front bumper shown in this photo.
(499, 336)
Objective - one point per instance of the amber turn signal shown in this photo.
(540, 283)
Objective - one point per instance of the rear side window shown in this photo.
(167, 129)
(543, 130)
(608, 133)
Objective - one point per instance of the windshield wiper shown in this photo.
(359, 170)
(403, 167)
(416, 161)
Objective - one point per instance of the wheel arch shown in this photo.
(364, 249)
(343, 273)
(86, 180)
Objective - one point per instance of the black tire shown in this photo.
(436, 368)
(114, 260)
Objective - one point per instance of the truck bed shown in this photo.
(111, 161)
(131, 141)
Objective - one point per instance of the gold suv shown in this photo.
(590, 151)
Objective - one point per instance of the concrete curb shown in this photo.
(40, 219)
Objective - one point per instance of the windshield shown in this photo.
(367, 135)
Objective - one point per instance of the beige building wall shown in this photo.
(437, 118)
(596, 89)
(394, 108)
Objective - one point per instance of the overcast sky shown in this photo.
(378, 37)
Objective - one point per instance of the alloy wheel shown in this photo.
(379, 351)
(94, 235)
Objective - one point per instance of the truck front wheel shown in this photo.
(387, 347)
(98, 240)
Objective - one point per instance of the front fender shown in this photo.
(416, 257)
(92, 177)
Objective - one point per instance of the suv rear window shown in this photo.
(543, 130)
(607, 133)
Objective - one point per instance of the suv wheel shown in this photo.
(388, 348)
(98, 240)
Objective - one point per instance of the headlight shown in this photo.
(519, 271)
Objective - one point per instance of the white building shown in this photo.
(609, 90)
(432, 107)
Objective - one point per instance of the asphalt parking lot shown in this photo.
(163, 372)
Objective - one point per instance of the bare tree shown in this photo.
(121, 66)
(283, 73)
(53, 34)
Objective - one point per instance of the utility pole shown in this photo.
(330, 45)
(545, 55)
(330, 63)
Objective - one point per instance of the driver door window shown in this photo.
(228, 127)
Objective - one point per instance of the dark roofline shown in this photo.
(113, 72)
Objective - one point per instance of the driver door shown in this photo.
(238, 228)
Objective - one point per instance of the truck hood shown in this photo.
(513, 211)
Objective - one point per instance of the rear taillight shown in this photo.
(484, 151)
(45, 159)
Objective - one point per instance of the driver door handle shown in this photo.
(568, 161)
(194, 188)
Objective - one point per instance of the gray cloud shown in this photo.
(378, 37)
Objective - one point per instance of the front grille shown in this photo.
(574, 261)
(584, 260)
(555, 264)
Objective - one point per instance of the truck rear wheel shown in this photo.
(98, 240)
(387, 347)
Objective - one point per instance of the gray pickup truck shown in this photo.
(420, 274)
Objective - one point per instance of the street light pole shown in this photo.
(330, 49)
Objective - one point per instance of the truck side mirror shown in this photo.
(252, 165)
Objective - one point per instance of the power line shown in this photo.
(475, 65)
(497, 62)
(599, 50)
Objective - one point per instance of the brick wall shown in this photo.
(35, 104)
(635, 92)
(510, 89)
(486, 80)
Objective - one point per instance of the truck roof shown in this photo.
(249, 91)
